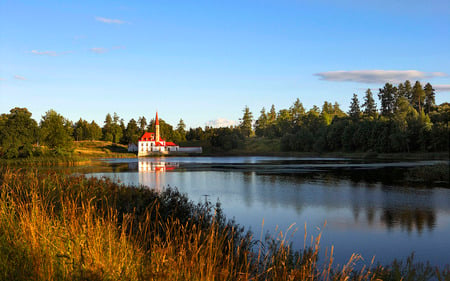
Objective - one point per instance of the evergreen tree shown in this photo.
(327, 107)
(418, 96)
(430, 102)
(272, 115)
(407, 90)
(94, 131)
(142, 124)
(261, 124)
(354, 111)
(108, 128)
(246, 122)
(297, 111)
(387, 99)
(131, 132)
(181, 127)
(327, 112)
(370, 108)
(283, 122)
(181, 131)
(337, 111)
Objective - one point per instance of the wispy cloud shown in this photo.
(18, 77)
(49, 53)
(104, 50)
(221, 122)
(98, 50)
(2, 79)
(110, 21)
(442, 87)
(377, 76)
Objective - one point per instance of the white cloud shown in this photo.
(99, 50)
(221, 122)
(377, 76)
(49, 53)
(2, 79)
(109, 21)
(18, 77)
(442, 88)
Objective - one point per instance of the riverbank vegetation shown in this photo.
(59, 227)
(407, 120)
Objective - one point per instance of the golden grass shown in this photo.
(101, 149)
(57, 227)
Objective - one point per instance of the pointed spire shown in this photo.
(157, 136)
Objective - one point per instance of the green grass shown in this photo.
(101, 149)
(60, 227)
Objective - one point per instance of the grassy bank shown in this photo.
(46, 161)
(101, 149)
(83, 152)
(59, 227)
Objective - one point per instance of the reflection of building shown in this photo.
(151, 173)
(149, 166)
(152, 143)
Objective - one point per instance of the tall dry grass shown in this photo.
(60, 227)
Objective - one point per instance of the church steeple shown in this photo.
(157, 138)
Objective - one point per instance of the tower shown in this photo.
(157, 128)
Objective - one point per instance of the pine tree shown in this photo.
(418, 96)
(337, 111)
(131, 132)
(430, 102)
(246, 122)
(107, 128)
(297, 111)
(387, 98)
(272, 115)
(370, 108)
(142, 124)
(261, 123)
(354, 111)
(407, 90)
(181, 131)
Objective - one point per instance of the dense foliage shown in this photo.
(408, 120)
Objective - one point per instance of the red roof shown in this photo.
(147, 137)
(168, 143)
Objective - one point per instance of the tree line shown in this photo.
(407, 120)
(22, 136)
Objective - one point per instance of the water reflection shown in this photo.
(361, 191)
(364, 207)
(145, 166)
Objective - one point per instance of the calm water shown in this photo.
(365, 206)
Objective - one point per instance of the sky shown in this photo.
(204, 61)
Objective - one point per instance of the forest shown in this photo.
(406, 119)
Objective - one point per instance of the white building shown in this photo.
(152, 143)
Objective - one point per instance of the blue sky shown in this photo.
(205, 61)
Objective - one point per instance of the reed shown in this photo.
(60, 227)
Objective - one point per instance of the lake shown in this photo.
(359, 206)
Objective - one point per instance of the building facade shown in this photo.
(153, 144)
